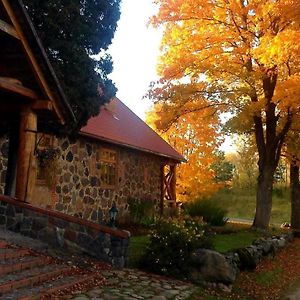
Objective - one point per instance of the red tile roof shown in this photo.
(117, 124)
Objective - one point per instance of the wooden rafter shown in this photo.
(7, 85)
(42, 105)
(35, 66)
(4, 26)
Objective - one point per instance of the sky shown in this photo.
(134, 50)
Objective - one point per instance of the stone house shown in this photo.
(115, 157)
(59, 188)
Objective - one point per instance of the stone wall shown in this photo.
(78, 190)
(3, 161)
(64, 231)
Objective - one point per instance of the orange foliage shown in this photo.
(195, 137)
(241, 56)
(221, 50)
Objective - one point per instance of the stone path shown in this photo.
(130, 284)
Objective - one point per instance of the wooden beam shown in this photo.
(26, 167)
(173, 183)
(35, 66)
(162, 188)
(9, 85)
(7, 28)
(42, 105)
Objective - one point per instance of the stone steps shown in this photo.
(28, 275)
(49, 288)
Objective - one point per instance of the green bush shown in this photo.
(208, 209)
(171, 245)
(141, 211)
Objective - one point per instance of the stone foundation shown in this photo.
(65, 231)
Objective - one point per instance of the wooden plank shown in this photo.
(7, 28)
(162, 188)
(42, 105)
(8, 85)
(37, 70)
(26, 167)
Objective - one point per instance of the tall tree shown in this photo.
(196, 137)
(292, 154)
(295, 194)
(72, 31)
(240, 56)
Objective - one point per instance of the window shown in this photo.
(107, 167)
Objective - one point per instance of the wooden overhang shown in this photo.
(27, 78)
(30, 94)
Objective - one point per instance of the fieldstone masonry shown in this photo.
(64, 231)
(78, 190)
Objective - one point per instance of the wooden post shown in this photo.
(162, 188)
(26, 168)
(10, 180)
(173, 184)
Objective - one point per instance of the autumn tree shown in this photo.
(238, 56)
(292, 155)
(196, 137)
(72, 33)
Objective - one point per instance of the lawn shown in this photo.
(240, 203)
(226, 242)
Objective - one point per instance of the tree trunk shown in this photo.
(264, 197)
(295, 195)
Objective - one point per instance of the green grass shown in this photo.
(226, 242)
(269, 277)
(240, 203)
(137, 247)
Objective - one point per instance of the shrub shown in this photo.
(141, 211)
(208, 209)
(171, 245)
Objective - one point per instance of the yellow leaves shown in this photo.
(227, 55)
(287, 93)
(195, 135)
(235, 44)
(279, 49)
